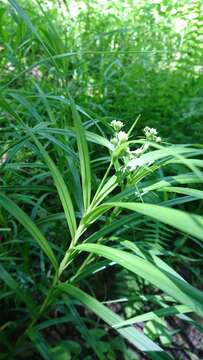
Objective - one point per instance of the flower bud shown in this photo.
(122, 136)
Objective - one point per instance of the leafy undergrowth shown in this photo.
(101, 220)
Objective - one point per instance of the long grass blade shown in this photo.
(61, 187)
(83, 154)
(177, 288)
(134, 336)
(30, 226)
(185, 222)
(153, 315)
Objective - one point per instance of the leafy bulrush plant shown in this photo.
(129, 192)
(77, 204)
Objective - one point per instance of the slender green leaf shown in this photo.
(179, 289)
(61, 187)
(32, 28)
(153, 315)
(186, 191)
(91, 137)
(84, 331)
(134, 336)
(40, 343)
(29, 225)
(188, 223)
(21, 294)
(83, 155)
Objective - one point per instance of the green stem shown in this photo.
(100, 186)
(66, 259)
(65, 262)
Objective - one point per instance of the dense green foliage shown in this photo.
(120, 60)
(101, 223)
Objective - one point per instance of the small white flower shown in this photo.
(10, 67)
(146, 129)
(4, 158)
(151, 134)
(149, 131)
(36, 72)
(153, 131)
(122, 136)
(117, 125)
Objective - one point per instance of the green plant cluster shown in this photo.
(101, 223)
(120, 60)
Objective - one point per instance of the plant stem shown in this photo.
(65, 261)
(101, 185)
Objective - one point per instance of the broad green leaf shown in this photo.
(134, 336)
(177, 288)
(30, 226)
(83, 155)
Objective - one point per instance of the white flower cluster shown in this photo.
(120, 136)
(130, 158)
(116, 125)
(151, 134)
